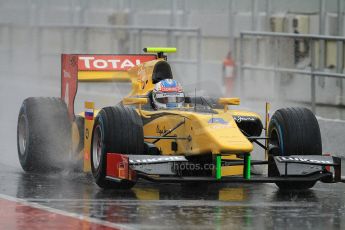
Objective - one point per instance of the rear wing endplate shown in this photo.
(95, 68)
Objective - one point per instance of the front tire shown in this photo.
(293, 131)
(116, 130)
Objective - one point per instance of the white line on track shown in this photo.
(64, 213)
(330, 120)
(179, 203)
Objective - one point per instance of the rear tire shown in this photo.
(43, 134)
(293, 131)
(116, 130)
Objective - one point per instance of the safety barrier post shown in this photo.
(241, 82)
(199, 53)
(312, 81)
(140, 40)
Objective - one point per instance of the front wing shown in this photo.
(297, 168)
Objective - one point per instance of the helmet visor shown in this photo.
(166, 98)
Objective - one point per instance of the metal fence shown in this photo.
(315, 56)
(44, 43)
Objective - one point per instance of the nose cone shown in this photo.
(228, 139)
(215, 133)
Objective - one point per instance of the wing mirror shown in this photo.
(228, 101)
(135, 101)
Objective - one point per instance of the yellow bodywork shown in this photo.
(204, 133)
(205, 136)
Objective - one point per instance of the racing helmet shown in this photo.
(167, 94)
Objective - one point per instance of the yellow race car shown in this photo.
(161, 134)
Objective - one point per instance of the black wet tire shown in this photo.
(293, 131)
(297, 132)
(116, 130)
(43, 134)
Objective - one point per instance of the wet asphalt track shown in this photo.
(169, 206)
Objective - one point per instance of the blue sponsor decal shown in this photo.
(217, 120)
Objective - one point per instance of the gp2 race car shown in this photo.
(201, 140)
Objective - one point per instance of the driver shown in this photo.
(167, 94)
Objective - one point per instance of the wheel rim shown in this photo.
(22, 135)
(97, 146)
(274, 140)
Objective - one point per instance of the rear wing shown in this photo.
(95, 68)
